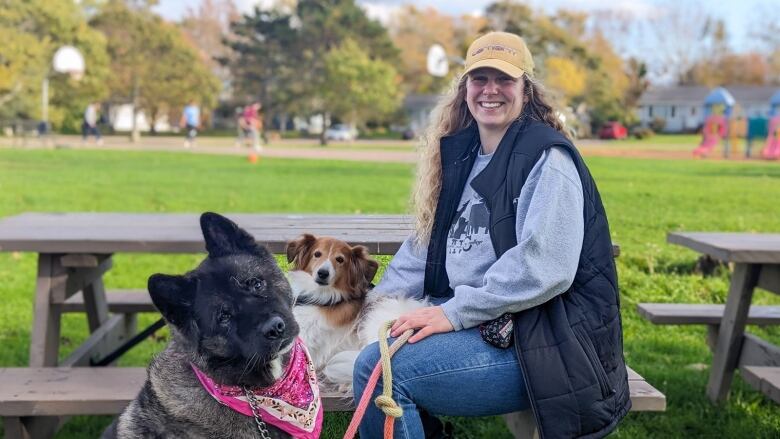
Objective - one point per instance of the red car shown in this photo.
(613, 130)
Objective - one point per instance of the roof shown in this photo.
(695, 95)
(719, 96)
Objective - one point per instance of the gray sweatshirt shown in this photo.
(549, 230)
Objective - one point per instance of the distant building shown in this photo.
(682, 106)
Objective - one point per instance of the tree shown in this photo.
(414, 31)
(31, 31)
(565, 54)
(206, 29)
(280, 53)
(152, 64)
(565, 76)
(359, 88)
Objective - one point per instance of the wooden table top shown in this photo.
(79, 232)
(180, 232)
(759, 248)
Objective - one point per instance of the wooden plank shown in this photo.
(180, 233)
(61, 391)
(79, 278)
(68, 391)
(337, 403)
(770, 278)
(732, 247)
(703, 314)
(45, 337)
(80, 260)
(119, 301)
(95, 305)
(764, 379)
(758, 352)
(116, 330)
(732, 330)
(646, 398)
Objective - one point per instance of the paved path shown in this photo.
(391, 151)
(363, 150)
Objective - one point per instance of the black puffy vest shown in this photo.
(571, 347)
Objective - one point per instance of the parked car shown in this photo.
(341, 131)
(613, 130)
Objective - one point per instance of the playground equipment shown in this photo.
(772, 149)
(718, 106)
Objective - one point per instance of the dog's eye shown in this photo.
(255, 284)
(317, 254)
(340, 259)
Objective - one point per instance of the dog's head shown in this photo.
(233, 313)
(333, 264)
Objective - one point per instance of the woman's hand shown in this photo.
(429, 320)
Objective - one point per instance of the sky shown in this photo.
(737, 14)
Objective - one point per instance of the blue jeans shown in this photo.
(454, 373)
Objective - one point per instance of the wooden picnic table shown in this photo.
(75, 249)
(756, 259)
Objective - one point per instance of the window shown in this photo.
(650, 111)
(673, 110)
(693, 111)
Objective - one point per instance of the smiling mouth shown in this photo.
(490, 105)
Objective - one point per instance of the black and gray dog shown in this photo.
(232, 318)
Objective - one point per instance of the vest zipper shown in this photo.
(593, 358)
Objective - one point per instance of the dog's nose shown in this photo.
(322, 273)
(274, 328)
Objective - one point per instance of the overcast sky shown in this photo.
(737, 14)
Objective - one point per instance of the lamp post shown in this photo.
(67, 59)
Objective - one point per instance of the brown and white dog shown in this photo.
(337, 314)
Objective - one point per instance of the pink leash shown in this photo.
(369, 390)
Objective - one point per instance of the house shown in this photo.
(682, 106)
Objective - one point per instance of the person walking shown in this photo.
(190, 122)
(253, 125)
(89, 126)
(511, 247)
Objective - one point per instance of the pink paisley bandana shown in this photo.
(291, 404)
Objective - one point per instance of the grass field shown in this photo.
(644, 200)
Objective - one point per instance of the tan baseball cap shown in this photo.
(502, 51)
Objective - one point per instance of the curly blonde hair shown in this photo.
(451, 115)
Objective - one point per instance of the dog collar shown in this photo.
(291, 404)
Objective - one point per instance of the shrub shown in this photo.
(658, 124)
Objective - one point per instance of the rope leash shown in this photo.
(384, 401)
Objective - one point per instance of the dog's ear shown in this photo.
(224, 237)
(299, 247)
(364, 264)
(172, 295)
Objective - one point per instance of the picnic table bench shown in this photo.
(75, 251)
(756, 259)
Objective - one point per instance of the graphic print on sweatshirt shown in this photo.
(470, 227)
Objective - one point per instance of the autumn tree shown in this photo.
(206, 28)
(359, 88)
(153, 66)
(30, 33)
(280, 53)
(579, 66)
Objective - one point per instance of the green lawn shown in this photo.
(644, 200)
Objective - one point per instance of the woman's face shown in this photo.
(494, 98)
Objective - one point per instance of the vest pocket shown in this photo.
(593, 358)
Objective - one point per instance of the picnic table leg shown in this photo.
(45, 337)
(732, 329)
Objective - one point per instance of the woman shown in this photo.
(508, 223)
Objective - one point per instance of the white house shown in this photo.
(682, 106)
